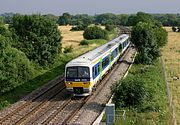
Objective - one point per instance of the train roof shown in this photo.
(90, 56)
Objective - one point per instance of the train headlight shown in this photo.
(69, 83)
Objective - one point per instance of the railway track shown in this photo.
(47, 112)
(39, 106)
(31, 104)
(54, 105)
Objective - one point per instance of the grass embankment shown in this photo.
(69, 39)
(171, 56)
(154, 104)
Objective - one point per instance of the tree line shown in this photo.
(106, 18)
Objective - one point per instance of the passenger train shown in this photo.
(85, 71)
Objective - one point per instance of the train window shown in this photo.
(124, 44)
(116, 51)
(83, 72)
(114, 54)
(71, 72)
(77, 72)
(93, 72)
(96, 70)
(105, 62)
(120, 47)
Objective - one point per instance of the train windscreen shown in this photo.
(77, 72)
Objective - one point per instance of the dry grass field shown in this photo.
(73, 39)
(70, 38)
(171, 56)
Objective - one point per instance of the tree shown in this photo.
(15, 68)
(65, 19)
(107, 18)
(82, 20)
(131, 92)
(95, 33)
(122, 19)
(3, 30)
(174, 29)
(143, 17)
(7, 17)
(144, 39)
(161, 36)
(140, 17)
(78, 27)
(52, 17)
(109, 27)
(130, 21)
(1, 20)
(38, 37)
(178, 29)
(167, 19)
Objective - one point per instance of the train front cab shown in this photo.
(77, 80)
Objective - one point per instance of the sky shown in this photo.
(92, 7)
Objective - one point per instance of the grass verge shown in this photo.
(154, 109)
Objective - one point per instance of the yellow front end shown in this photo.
(78, 84)
(79, 88)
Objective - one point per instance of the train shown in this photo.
(83, 73)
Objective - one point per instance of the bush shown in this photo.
(178, 29)
(131, 93)
(174, 29)
(95, 33)
(84, 42)
(78, 28)
(68, 49)
(15, 68)
(161, 36)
